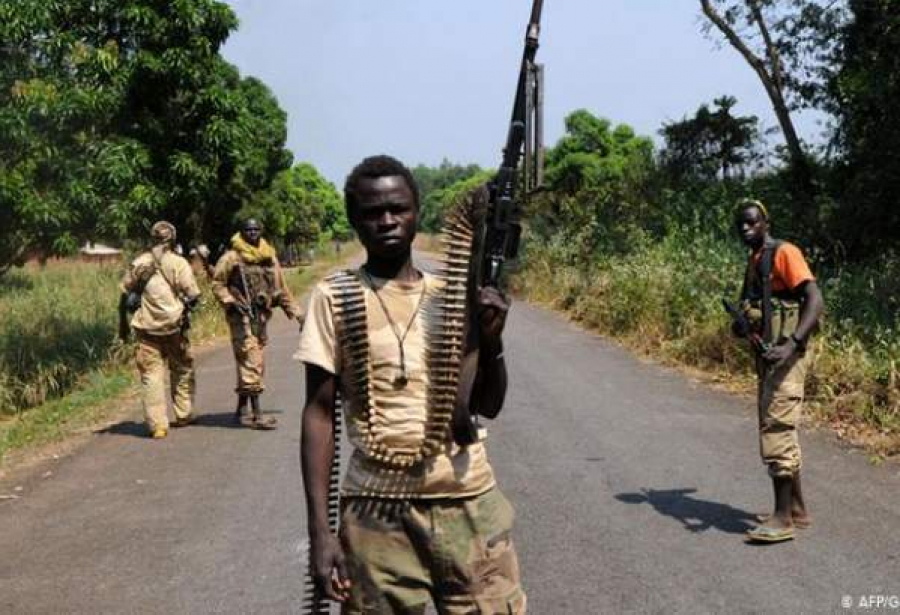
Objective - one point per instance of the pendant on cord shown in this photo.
(400, 380)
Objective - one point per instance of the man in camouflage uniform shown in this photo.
(249, 284)
(160, 286)
(430, 529)
(782, 304)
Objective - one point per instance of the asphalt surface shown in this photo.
(632, 485)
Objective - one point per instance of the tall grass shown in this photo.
(665, 298)
(60, 362)
(56, 324)
(59, 323)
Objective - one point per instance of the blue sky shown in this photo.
(425, 80)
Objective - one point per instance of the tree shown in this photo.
(597, 177)
(433, 183)
(865, 90)
(775, 36)
(64, 167)
(711, 144)
(299, 209)
(117, 112)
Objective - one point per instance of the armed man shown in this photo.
(249, 283)
(375, 336)
(160, 288)
(780, 308)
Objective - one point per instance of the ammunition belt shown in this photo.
(445, 312)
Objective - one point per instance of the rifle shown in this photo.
(743, 328)
(498, 240)
(250, 306)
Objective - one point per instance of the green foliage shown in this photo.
(599, 187)
(646, 256)
(299, 208)
(433, 185)
(56, 326)
(442, 199)
(865, 92)
(712, 144)
(116, 113)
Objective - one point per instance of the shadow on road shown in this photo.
(225, 420)
(125, 428)
(695, 514)
(220, 419)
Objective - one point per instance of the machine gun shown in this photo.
(502, 226)
(498, 240)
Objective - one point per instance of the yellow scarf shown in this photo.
(252, 254)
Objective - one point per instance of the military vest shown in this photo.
(774, 315)
(262, 288)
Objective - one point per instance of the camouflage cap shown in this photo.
(163, 232)
(746, 203)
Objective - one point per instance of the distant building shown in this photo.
(99, 253)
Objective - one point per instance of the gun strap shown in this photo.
(766, 260)
(157, 261)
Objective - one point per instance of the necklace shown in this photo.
(401, 379)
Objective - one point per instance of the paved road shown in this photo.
(632, 485)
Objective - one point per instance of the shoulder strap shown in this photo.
(766, 260)
(157, 260)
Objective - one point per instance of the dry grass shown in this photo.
(60, 363)
(664, 300)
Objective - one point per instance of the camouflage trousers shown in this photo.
(780, 403)
(249, 348)
(456, 553)
(157, 354)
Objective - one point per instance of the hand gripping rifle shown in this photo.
(498, 240)
(742, 328)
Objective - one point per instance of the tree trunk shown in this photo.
(772, 79)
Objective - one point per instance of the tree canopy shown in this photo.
(114, 113)
(711, 144)
(434, 183)
(299, 209)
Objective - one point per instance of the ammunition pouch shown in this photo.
(785, 317)
(263, 292)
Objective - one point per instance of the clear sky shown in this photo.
(425, 80)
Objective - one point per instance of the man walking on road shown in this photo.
(249, 284)
(160, 286)
(421, 517)
(782, 304)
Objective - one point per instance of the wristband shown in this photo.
(801, 344)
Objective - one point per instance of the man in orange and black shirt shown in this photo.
(783, 304)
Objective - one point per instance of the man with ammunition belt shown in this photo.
(780, 308)
(421, 518)
(249, 284)
(159, 287)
